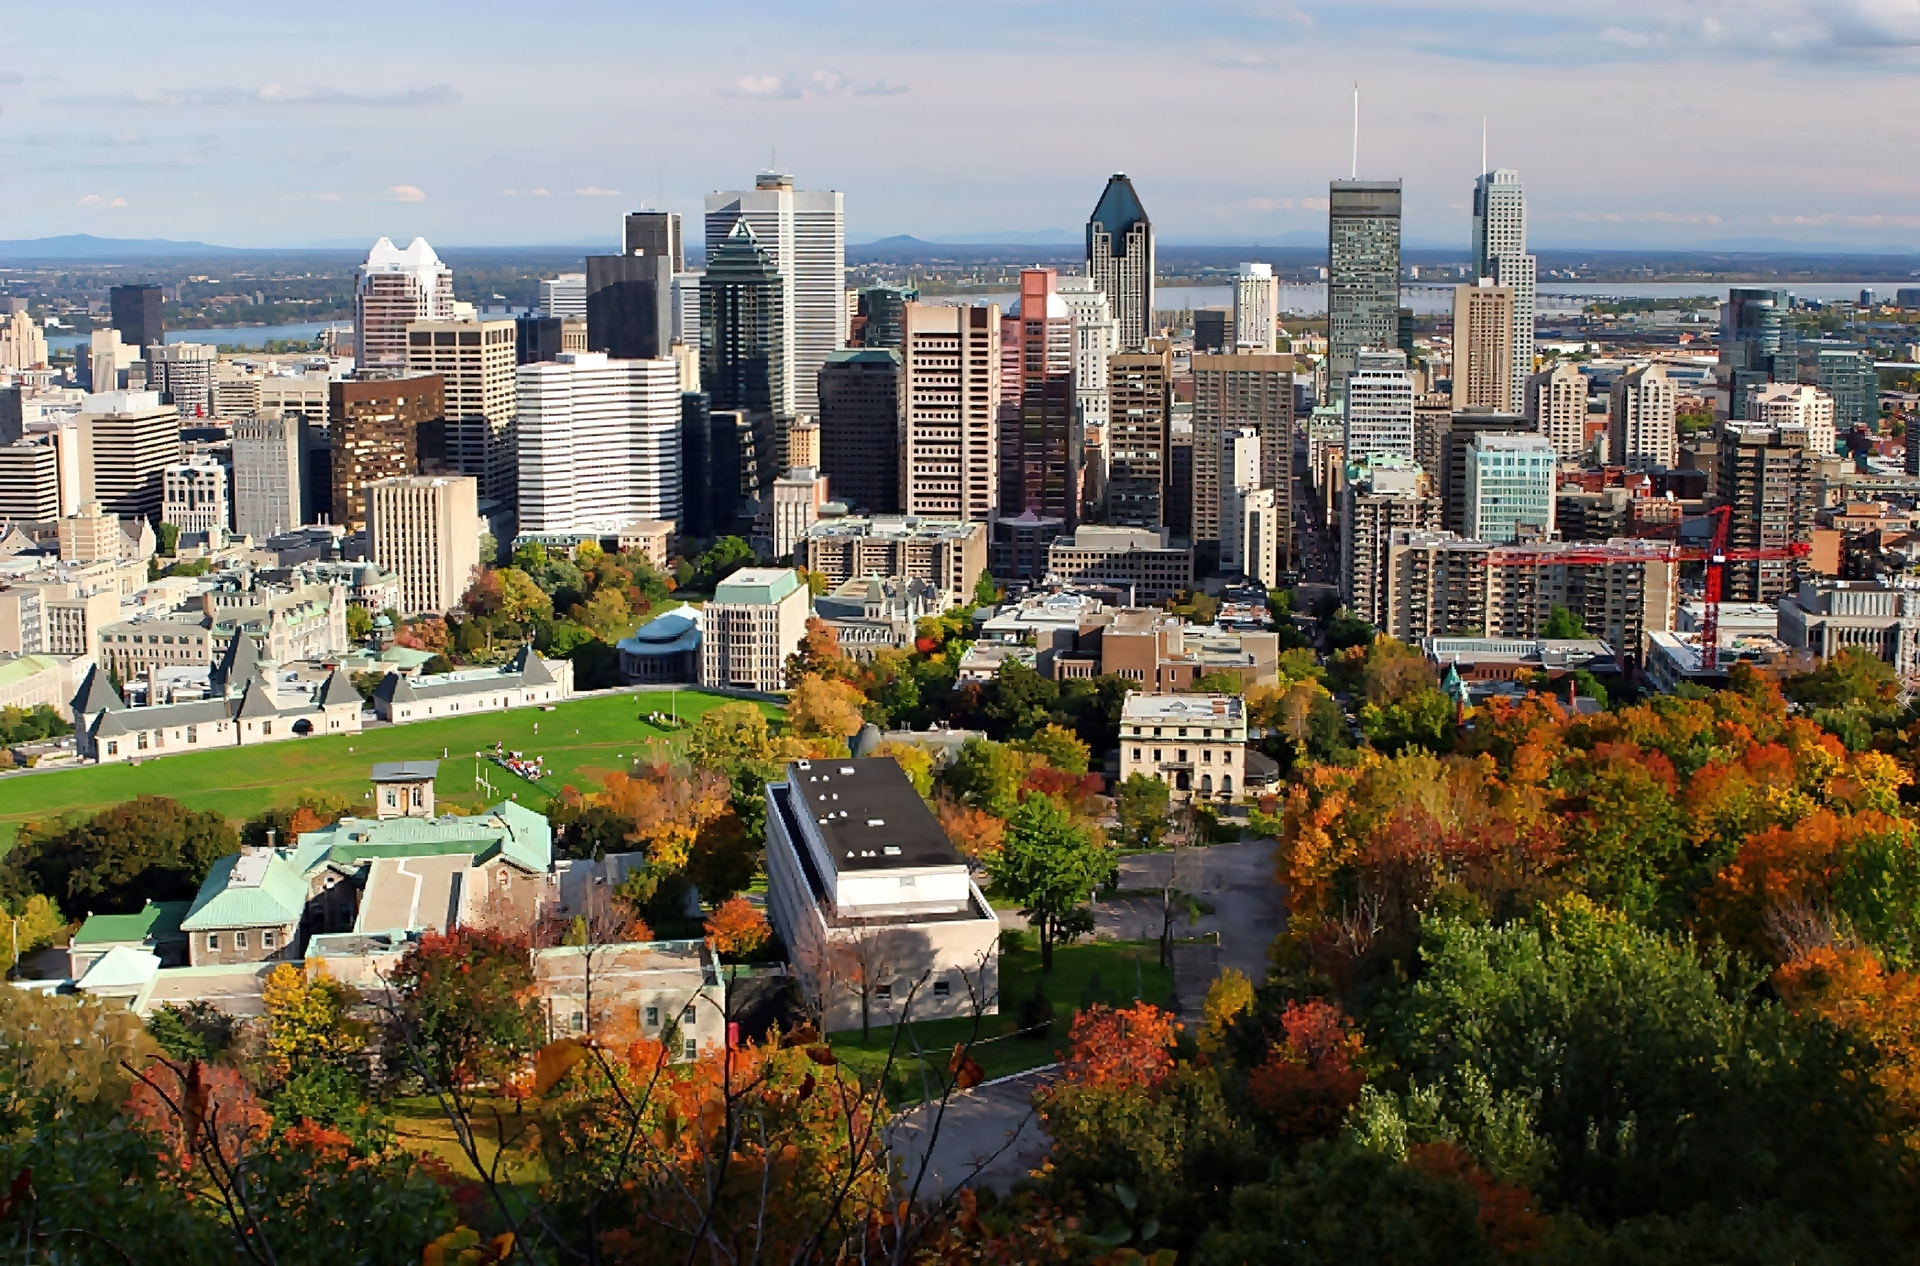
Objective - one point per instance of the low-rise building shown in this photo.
(1166, 654)
(665, 650)
(1196, 744)
(950, 553)
(756, 619)
(873, 613)
(1672, 658)
(1140, 559)
(878, 911)
(244, 711)
(1828, 616)
(31, 681)
(1477, 659)
(525, 681)
(653, 989)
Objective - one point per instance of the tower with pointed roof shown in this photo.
(1120, 260)
(743, 356)
(395, 287)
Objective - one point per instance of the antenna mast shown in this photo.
(1483, 144)
(1356, 129)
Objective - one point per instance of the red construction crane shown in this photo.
(1648, 550)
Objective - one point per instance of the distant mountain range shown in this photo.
(87, 246)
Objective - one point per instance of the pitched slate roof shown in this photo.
(197, 712)
(97, 695)
(237, 666)
(258, 888)
(405, 770)
(258, 703)
(338, 689)
(532, 669)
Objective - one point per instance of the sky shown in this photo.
(1633, 123)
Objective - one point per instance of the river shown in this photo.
(242, 336)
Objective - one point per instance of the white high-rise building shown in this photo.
(22, 343)
(564, 296)
(267, 451)
(1256, 307)
(393, 289)
(599, 442)
(1795, 404)
(805, 235)
(1500, 252)
(1641, 432)
(1510, 486)
(1096, 337)
(1557, 407)
(194, 496)
(1240, 478)
(686, 309)
(183, 374)
(1379, 407)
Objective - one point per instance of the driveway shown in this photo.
(1249, 909)
(988, 1137)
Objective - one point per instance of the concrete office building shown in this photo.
(393, 289)
(1120, 261)
(755, 619)
(426, 530)
(804, 235)
(183, 375)
(305, 396)
(22, 344)
(111, 364)
(474, 361)
(1848, 377)
(1363, 273)
(797, 498)
(375, 430)
(564, 296)
(1142, 560)
(1827, 617)
(630, 306)
(599, 442)
(1556, 407)
(1383, 494)
(1510, 487)
(29, 480)
(1140, 405)
(1232, 392)
(1239, 478)
(1040, 440)
(1500, 254)
(862, 437)
(127, 438)
(1642, 434)
(654, 235)
(1256, 308)
(194, 497)
(1483, 346)
(744, 361)
(1378, 408)
(135, 313)
(944, 552)
(1796, 405)
(1096, 337)
(1765, 477)
(236, 391)
(952, 368)
(269, 453)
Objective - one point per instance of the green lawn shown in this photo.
(1113, 972)
(582, 740)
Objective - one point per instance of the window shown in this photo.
(693, 1049)
(1183, 756)
(653, 1017)
(193, 734)
(1157, 754)
(213, 940)
(941, 988)
(577, 1021)
(1206, 756)
(1136, 753)
(686, 1016)
(239, 940)
(266, 940)
(113, 749)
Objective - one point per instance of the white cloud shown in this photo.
(821, 83)
(592, 192)
(406, 193)
(1632, 39)
(96, 202)
(531, 193)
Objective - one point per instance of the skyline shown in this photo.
(507, 130)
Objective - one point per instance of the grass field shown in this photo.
(582, 741)
(1113, 972)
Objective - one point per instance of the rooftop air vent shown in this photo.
(891, 850)
(878, 822)
(848, 769)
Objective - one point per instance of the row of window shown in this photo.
(268, 940)
(1206, 755)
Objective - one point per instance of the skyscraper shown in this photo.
(1848, 375)
(743, 326)
(1754, 329)
(1483, 346)
(861, 436)
(268, 450)
(1039, 432)
(952, 364)
(1765, 480)
(629, 305)
(127, 438)
(1500, 253)
(1120, 260)
(1641, 420)
(1556, 404)
(393, 289)
(1378, 408)
(599, 442)
(564, 295)
(885, 308)
(1096, 337)
(1510, 487)
(375, 428)
(1363, 273)
(1140, 403)
(22, 343)
(474, 361)
(426, 530)
(1256, 307)
(804, 235)
(183, 375)
(1244, 390)
(655, 235)
(136, 314)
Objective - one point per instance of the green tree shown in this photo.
(985, 594)
(167, 539)
(988, 776)
(1141, 802)
(466, 1010)
(1424, 720)
(1018, 700)
(150, 848)
(1345, 629)
(1563, 625)
(1060, 746)
(1217, 682)
(1051, 866)
(359, 622)
(726, 556)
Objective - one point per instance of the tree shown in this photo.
(1061, 748)
(167, 539)
(1141, 802)
(988, 775)
(974, 832)
(74, 1046)
(819, 653)
(726, 556)
(1051, 866)
(35, 923)
(1423, 719)
(666, 807)
(359, 623)
(197, 1030)
(1563, 625)
(985, 594)
(1344, 629)
(738, 928)
(467, 1008)
(824, 707)
(308, 1019)
(522, 602)
(150, 848)
(605, 612)
(1217, 682)
(915, 761)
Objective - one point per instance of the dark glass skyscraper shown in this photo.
(885, 308)
(630, 306)
(1363, 273)
(655, 234)
(136, 314)
(1120, 260)
(861, 436)
(1753, 340)
(742, 358)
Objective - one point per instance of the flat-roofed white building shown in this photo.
(599, 441)
(1196, 744)
(879, 912)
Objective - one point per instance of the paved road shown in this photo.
(987, 1137)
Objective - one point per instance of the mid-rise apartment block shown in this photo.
(426, 530)
(1556, 406)
(755, 620)
(1510, 487)
(1765, 479)
(1642, 432)
(1796, 405)
(1378, 406)
(183, 374)
(952, 367)
(1383, 495)
(948, 553)
(1483, 346)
